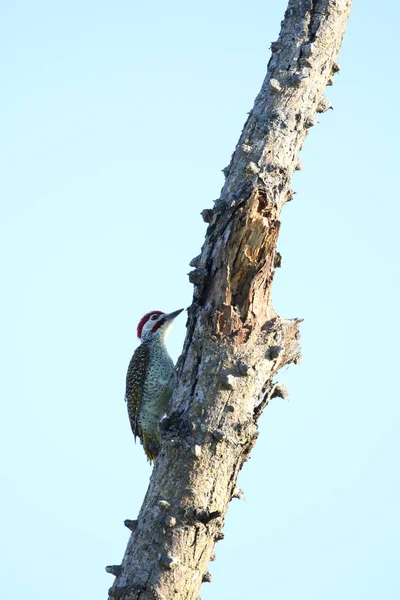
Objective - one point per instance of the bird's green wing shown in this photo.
(135, 378)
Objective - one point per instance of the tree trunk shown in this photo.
(235, 342)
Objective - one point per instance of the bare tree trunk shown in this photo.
(235, 342)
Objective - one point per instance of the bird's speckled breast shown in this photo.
(157, 389)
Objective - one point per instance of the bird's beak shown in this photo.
(172, 315)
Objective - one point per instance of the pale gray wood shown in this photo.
(235, 341)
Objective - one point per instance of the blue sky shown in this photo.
(116, 122)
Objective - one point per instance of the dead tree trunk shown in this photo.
(235, 343)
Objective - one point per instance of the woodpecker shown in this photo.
(150, 379)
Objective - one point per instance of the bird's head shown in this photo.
(155, 323)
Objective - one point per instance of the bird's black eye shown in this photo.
(154, 317)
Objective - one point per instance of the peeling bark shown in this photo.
(235, 341)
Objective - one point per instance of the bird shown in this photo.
(150, 380)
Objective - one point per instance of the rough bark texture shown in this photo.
(235, 342)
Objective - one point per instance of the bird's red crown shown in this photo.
(144, 320)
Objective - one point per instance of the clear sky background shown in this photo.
(116, 120)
